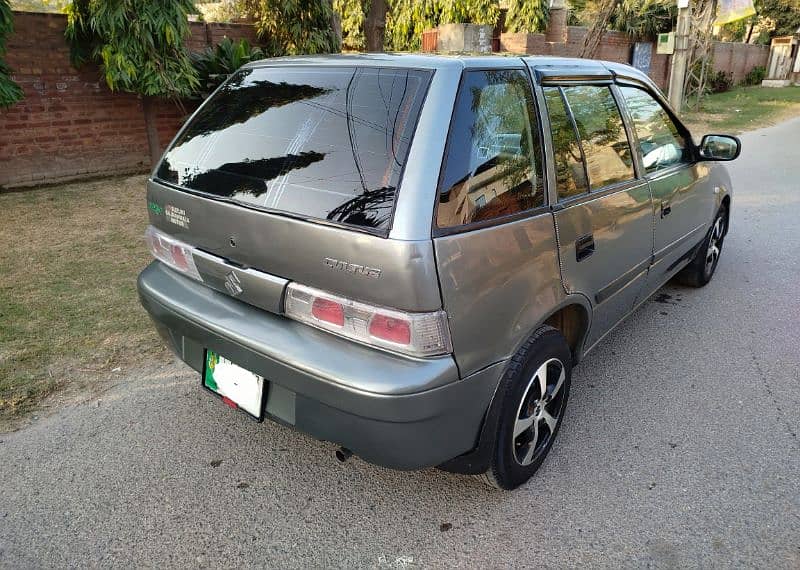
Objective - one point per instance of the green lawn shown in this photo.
(69, 312)
(743, 109)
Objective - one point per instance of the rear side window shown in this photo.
(602, 133)
(493, 165)
(570, 172)
(320, 143)
(660, 141)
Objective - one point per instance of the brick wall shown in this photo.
(70, 125)
(736, 58)
(739, 58)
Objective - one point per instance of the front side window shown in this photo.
(602, 134)
(570, 172)
(660, 141)
(493, 164)
(323, 143)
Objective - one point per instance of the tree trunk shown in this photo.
(375, 25)
(750, 31)
(595, 33)
(149, 108)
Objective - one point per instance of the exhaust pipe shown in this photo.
(343, 454)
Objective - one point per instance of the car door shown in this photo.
(683, 206)
(604, 211)
(493, 231)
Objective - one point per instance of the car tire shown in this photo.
(528, 423)
(702, 266)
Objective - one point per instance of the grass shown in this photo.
(742, 109)
(69, 312)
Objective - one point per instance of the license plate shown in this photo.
(239, 388)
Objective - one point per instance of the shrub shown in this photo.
(719, 81)
(10, 92)
(755, 76)
(214, 65)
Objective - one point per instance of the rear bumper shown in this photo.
(390, 410)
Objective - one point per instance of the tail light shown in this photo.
(174, 253)
(415, 334)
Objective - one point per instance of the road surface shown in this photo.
(680, 448)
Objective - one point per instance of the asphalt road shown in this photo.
(680, 449)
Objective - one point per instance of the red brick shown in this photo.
(91, 129)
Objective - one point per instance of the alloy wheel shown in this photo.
(539, 411)
(714, 244)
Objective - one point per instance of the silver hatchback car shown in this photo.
(406, 255)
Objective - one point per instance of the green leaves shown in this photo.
(351, 14)
(407, 19)
(527, 16)
(10, 92)
(139, 44)
(644, 19)
(214, 65)
(294, 26)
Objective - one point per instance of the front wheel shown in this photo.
(535, 390)
(701, 269)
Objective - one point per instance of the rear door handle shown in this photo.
(584, 247)
(666, 209)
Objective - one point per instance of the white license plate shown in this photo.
(238, 387)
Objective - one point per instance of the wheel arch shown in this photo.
(572, 318)
(573, 315)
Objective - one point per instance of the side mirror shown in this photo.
(720, 147)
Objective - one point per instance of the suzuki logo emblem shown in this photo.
(232, 284)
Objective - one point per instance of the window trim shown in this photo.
(437, 231)
(625, 81)
(576, 132)
(622, 117)
(630, 129)
(573, 74)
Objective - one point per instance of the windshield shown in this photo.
(324, 143)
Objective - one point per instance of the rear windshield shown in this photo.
(322, 143)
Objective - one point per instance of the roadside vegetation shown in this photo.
(69, 314)
(742, 109)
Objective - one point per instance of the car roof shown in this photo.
(442, 61)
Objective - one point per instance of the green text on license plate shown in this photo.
(240, 386)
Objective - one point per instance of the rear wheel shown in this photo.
(535, 391)
(701, 269)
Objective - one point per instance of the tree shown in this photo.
(594, 35)
(363, 23)
(375, 25)
(407, 19)
(784, 15)
(644, 19)
(38, 5)
(140, 47)
(351, 15)
(10, 92)
(294, 26)
(640, 19)
(526, 16)
(219, 11)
